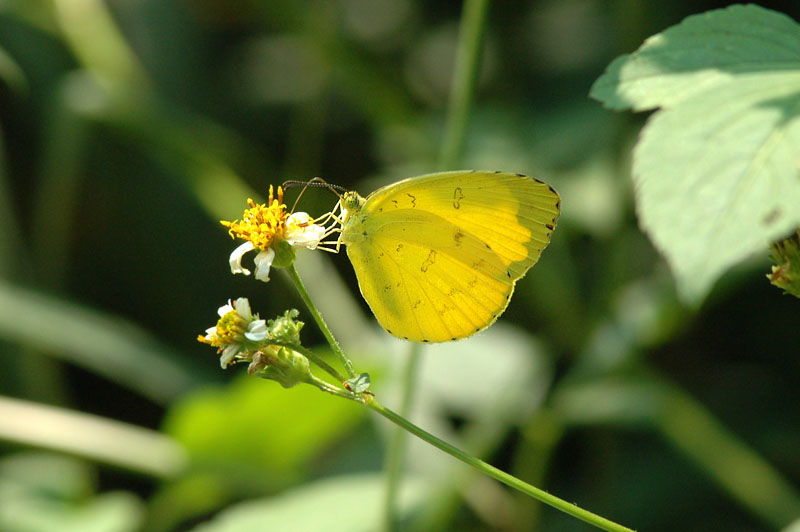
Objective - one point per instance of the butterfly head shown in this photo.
(351, 203)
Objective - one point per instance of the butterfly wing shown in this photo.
(437, 256)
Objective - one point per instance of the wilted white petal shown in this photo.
(256, 331)
(264, 263)
(242, 307)
(235, 259)
(211, 333)
(301, 231)
(227, 355)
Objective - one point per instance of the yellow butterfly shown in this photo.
(437, 256)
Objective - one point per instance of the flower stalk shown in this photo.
(273, 349)
(489, 470)
(323, 326)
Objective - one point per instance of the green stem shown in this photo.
(395, 455)
(495, 473)
(465, 76)
(728, 460)
(301, 288)
(333, 390)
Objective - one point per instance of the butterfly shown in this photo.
(437, 256)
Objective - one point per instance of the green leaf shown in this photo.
(698, 55)
(11, 73)
(260, 427)
(715, 169)
(351, 503)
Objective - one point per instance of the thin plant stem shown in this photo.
(333, 390)
(301, 288)
(369, 400)
(465, 73)
(465, 77)
(395, 454)
(495, 473)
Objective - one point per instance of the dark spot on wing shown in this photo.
(458, 195)
(428, 261)
(413, 200)
(549, 226)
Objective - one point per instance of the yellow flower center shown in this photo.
(230, 329)
(261, 224)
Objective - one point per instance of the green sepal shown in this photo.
(285, 254)
(283, 365)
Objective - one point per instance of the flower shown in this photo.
(265, 227)
(236, 331)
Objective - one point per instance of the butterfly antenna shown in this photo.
(316, 182)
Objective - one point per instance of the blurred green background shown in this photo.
(130, 127)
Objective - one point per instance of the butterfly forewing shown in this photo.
(437, 256)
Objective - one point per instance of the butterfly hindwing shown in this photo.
(433, 286)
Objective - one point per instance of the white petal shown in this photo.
(227, 355)
(211, 333)
(242, 306)
(224, 309)
(235, 259)
(263, 264)
(256, 331)
(301, 231)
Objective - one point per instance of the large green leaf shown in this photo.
(349, 503)
(259, 426)
(716, 170)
